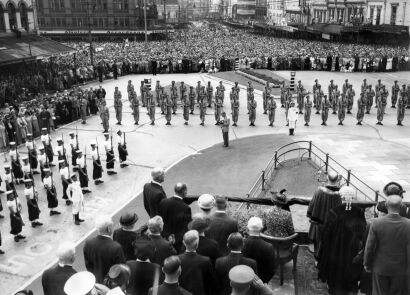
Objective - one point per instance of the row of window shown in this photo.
(79, 22)
(82, 4)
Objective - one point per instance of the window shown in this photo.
(393, 15)
(40, 5)
(371, 16)
(121, 5)
(378, 14)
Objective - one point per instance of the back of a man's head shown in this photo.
(158, 174)
(191, 239)
(235, 242)
(66, 253)
(104, 225)
(172, 269)
(180, 189)
(255, 225)
(155, 224)
(221, 203)
(394, 203)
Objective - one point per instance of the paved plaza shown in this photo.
(376, 154)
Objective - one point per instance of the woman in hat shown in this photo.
(16, 222)
(32, 203)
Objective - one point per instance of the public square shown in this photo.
(377, 154)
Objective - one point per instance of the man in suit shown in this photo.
(176, 214)
(172, 272)
(221, 225)
(224, 264)
(144, 274)
(126, 235)
(259, 250)
(163, 248)
(153, 192)
(54, 279)
(206, 246)
(387, 251)
(197, 275)
(101, 252)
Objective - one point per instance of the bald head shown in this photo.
(180, 189)
(394, 203)
(158, 174)
(66, 253)
(191, 239)
(104, 225)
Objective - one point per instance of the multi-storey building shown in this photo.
(17, 15)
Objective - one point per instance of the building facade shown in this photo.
(95, 14)
(341, 12)
(17, 15)
(388, 12)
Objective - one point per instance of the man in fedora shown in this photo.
(126, 235)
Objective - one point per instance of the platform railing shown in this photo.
(308, 150)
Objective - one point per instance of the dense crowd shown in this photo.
(210, 252)
(46, 111)
(200, 48)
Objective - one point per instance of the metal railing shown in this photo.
(306, 149)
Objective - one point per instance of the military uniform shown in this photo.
(202, 111)
(182, 89)
(315, 88)
(65, 180)
(15, 163)
(158, 89)
(341, 110)
(299, 91)
(151, 108)
(168, 110)
(220, 89)
(174, 97)
(218, 109)
(130, 88)
(325, 110)
(118, 105)
(135, 105)
(122, 148)
(109, 152)
(198, 91)
(271, 111)
(32, 154)
(225, 130)
(283, 94)
(235, 111)
(75, 193)
(82, 172)
(335, 99)
(143, 91)
(369, 101)
(401, 109)
(105, 116)
(266, 97)
(318, 97)
(48, 148)
(252, 111)
(97, 168)
(381, 105)
(308, 110)
(395, 89)
(361, 106)
(192, 100)
(52, 199)
(185, 106)
(209, 94)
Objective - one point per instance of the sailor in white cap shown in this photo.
(8, 178)
(31, 195)
(46, 140)
(42, 160)
(26, 168)
(65, 179)
(52, 199)
(82, 172)
(75, 193)
(74, 146)
(81, 283)
(60, 149)
(122, 148)
(16, 222)
(32, 153)
(109, 151)
(206, 202)
(15, 163)
(97, 167)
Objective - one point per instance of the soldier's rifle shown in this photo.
(85, 161)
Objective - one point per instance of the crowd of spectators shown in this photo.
(199, 48)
